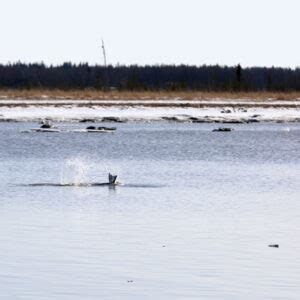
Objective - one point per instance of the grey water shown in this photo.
(192, 219)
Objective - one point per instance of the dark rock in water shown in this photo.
(205, 119)
(46, 126)
(173, 119)
(233, 122)
(200, 121)
(7, 120)
(223, 129)
(103, 128)
(274, 246)
(253, 121)
(193, 119)
(255, 116)
(112, 119)
(226, 111)
(107, 128)
(87, 121)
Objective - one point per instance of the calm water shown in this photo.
(193, 219)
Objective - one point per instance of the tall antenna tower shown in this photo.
(104, 53)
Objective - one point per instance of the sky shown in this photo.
(194, 32)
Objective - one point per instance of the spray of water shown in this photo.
(79, 170)
(74, 171)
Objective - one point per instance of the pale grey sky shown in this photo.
(250, 32)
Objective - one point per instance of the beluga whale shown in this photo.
(112, 182)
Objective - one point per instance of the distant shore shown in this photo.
(40, 94)
(114, 106)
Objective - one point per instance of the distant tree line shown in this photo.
(156, 77)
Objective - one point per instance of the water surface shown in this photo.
(192, 220)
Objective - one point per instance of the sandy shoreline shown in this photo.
(201, 113)
(135, 107)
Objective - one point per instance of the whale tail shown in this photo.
(112, 178)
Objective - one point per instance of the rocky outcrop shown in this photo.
(223, 129)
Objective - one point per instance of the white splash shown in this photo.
(74, 171)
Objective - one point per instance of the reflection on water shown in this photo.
(193, 218)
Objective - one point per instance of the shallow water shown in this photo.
(192, 219)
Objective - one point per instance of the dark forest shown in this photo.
(69, 76)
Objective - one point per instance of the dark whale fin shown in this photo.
(112, 178)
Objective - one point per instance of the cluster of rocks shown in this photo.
(229, 111)
(208, 119)
(104, 119)
(101, 128)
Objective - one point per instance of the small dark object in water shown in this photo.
(130, 281)
(193, 119)
(252, 121)
(223, 129)
(274, 246)
(233, 122)
(107, 128)
(199, 121)
(46, 126)
(112, 119)
(101, 128)
(87, 121)
(174, 119)
(226, 111)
